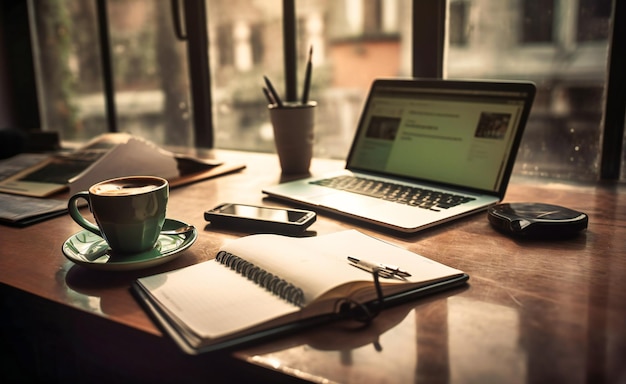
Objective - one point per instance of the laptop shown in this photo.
(425, 152)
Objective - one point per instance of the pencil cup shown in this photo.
(293, 125)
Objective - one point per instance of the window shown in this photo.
(537, 21)
(561, 46)
(562, 137)
(592, 20)
(225, 45)
(149, 75)
(354, 41)
(458, 16)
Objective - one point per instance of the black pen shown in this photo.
(268, 96)
(388, 269)
(273, 92)
(307, 78)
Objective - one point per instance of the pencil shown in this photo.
(307, 78)
(268, 96)
(273, 92)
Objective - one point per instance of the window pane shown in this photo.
(149, 70)
(354, 41)
(537, 21)
(67, 63)
(458, 31)
(592, 20)
(562, 138)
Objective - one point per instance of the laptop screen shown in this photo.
(456, 133)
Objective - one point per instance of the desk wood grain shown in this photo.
(534, 311)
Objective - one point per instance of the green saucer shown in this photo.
(91, 251)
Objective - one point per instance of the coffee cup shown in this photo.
(129, 211)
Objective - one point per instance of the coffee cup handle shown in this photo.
(72, 207)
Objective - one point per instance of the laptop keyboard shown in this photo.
(418, 197)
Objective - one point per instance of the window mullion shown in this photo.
(290, 50)
(199, 71)
(107, 65)
(429, 20)
(615, 108)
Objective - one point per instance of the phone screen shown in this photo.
(263, 213)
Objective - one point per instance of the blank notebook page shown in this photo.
(236, 303)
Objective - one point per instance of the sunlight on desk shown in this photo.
(476, 358)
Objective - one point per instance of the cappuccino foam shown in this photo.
(126, 187)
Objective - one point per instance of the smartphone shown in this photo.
(260, 219)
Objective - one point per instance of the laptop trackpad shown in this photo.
(348, 202)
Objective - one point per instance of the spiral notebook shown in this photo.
(262, 286)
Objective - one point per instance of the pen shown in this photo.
(392, 270)
(273, 92)
(307, 78)
(268, 96)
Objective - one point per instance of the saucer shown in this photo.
(92, 251)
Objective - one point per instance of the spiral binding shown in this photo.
(270, 282)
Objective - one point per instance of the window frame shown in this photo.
(615, 107)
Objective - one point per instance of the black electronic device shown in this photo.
(537, 220)
(254, 218)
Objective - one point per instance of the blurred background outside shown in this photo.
(560, 45)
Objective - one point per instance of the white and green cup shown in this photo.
(129, 211)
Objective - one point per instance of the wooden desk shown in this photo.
(534, 311)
